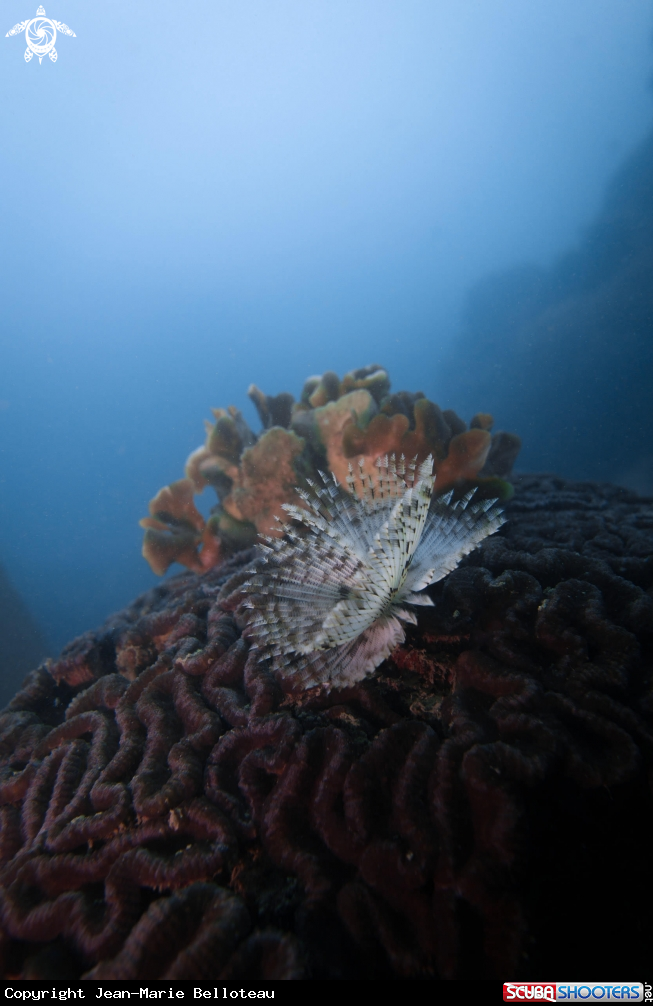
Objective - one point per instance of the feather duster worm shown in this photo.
(329, 603)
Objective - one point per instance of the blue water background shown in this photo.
(201, 195)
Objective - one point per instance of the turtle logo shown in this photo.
(40, 35)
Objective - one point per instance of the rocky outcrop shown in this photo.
(566, 354)
(22, 643)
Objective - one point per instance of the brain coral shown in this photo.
(334, 423)
(481, 808)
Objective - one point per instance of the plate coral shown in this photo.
(334, 423)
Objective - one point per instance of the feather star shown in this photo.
(329, 602)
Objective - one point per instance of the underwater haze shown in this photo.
(199, 196)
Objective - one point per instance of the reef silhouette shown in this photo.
(565, 351)
(23, 644)
(480, 808)
(334, 424)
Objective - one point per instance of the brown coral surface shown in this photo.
(335, 424)
(480, 808)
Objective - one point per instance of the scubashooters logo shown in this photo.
(40, 35)
(572, 992)
(134, 990)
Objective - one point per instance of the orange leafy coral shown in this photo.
(335, 423)
(266, 479)
(175, 529)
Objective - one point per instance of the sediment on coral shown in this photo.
(334, 424)
(480, 808)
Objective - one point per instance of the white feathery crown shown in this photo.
(329, 598)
